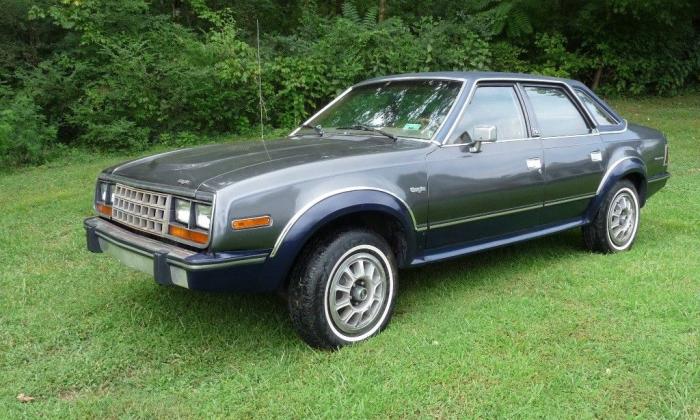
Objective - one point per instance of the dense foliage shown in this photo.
(123, 74)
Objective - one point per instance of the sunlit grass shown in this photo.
(538, 329)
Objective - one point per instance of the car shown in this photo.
(396, 172)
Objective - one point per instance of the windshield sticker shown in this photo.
(412, 127)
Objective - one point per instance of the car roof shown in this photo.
(470, 76)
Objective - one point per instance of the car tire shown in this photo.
(343, 288)
(614, 227)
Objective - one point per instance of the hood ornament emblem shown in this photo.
(183, 181)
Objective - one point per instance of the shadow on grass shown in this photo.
(258, 323)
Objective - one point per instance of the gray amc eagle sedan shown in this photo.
(396, 172)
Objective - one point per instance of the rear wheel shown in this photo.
(614, 227)
(343, 288)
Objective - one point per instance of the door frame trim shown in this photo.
(484, 216)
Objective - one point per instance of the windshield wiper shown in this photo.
(317, 128)
(362, 127)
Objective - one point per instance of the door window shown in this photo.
(497, 106)
(555, 113)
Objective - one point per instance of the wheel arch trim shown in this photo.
(617, 170)
(637, 165)
(333, 206)
(306, 208)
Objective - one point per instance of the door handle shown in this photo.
(534, 164)
(596, 156)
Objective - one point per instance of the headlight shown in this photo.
(202, 216)
(182, 211)
(104, 193)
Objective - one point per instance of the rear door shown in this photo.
(572, 149)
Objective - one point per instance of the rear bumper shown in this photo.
(173, 265)
(655, 183)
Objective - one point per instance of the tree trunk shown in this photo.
(176, 10)
(382, 10)
(596, 78)
(338, 7)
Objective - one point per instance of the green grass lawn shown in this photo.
(537, 329)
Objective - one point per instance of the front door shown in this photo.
(497, 191)
(573, 160)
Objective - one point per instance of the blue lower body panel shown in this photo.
(445, 253)
(242, 278)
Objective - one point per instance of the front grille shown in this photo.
(144, 210)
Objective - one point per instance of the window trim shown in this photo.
(444, 142)
(521, 106)
(452, 111)
(504, 79)
(583, 112)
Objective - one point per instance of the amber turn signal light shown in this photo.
(189, 235)
(251, 222)
(104, 209)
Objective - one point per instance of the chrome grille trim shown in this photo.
(144, 210)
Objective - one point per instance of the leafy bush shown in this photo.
(117, 135)
(631, 70)
(353, 48)
(121, 92)
(124, 74)
(24, 133)
(554, 59)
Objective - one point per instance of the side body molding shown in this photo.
(617, 169)
(312, 217)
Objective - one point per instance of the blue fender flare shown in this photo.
(617, 170)
(326, 211)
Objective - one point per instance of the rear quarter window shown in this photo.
(600, 115)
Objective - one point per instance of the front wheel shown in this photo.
(343, 288)
(614, 227)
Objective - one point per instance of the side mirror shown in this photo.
(482, 134)
(485, 133)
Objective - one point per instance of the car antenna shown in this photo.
(260, 95)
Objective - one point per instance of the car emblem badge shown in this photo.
(183, 181)
(418, 190)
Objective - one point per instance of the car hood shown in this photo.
(212, 167)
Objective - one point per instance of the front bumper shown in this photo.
(173, 265)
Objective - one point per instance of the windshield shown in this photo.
(406, 108)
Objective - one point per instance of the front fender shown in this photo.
(618, 169)
(309, 220)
